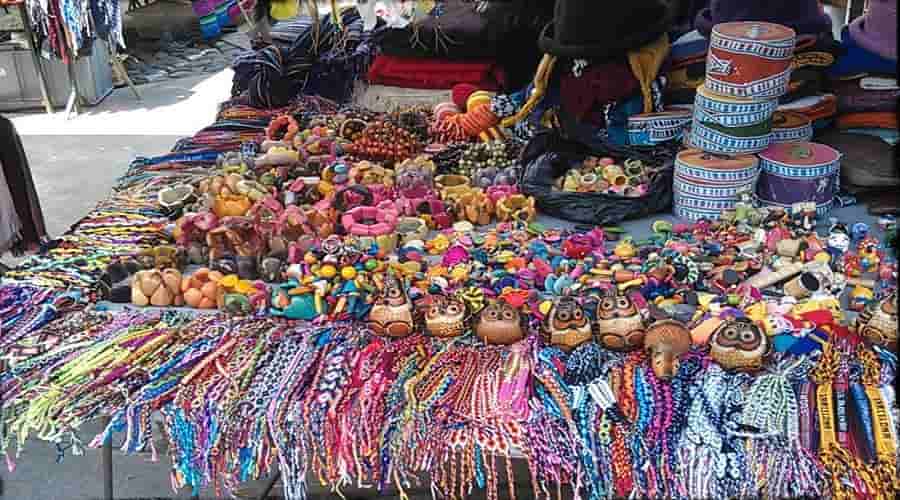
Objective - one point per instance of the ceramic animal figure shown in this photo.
(619, 324)
(392, 313)
(667, 340)
(499, 323)
(566, 325)
(446, 317)
(877, 323)
(739, 345)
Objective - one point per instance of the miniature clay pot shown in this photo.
(739, 345)
(666, 340)
(499, 323)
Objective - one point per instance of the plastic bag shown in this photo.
(548, 156)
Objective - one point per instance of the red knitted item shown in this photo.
(461, 93)
(438, 74)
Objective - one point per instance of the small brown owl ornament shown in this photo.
(877, 323)
(619, 324)
(392, 313)
(446, 317)
(566, 325)
(500, 324)
(667, 340)
(738, 344)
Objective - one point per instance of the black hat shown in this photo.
(593, 29)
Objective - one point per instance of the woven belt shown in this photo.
(694, 214)
(711, 191)
(653, 129)
(795, 134)
(711, 104)
(715, 141)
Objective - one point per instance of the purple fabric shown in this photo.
(804, 16)
(858, 60)
(787, 191)
(854, 99)
(876, 31)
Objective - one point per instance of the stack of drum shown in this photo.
(748, 67)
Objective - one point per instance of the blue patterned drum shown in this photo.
(730, 125)
(705, 184)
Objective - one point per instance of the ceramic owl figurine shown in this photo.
(619, 324)
(392, 313)
(739, 344)
(499, 323)
(667, 340)
(446, 317)
(877, 323)
(566, 325)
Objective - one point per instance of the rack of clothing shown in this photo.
(22, 226)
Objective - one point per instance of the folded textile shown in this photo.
(875, 119)
(857, 60)
(814, 107)
(458, 29)
(434, 73)
(889, 136)
(852, 98)
(879, 83)
(599, 84)
(328, 66)
(689, 46)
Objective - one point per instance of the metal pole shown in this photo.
(269, 485)
(107, 463)
(42, 80)
(75, 95)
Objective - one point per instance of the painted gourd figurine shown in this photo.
(392, 313)
(500, 324)
(619, 324)
(739, 344)
(566, 325)
(877, 323)
(446, 317)
(667, 340)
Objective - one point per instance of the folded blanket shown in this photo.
(815, 108)
(433, 73)
(852, 98)
(868, 120)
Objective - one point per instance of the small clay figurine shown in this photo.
(739, 344)
(499, 323)
(667, 340)
(446, 317)
(566, 325)
(619, 324)
(392, 313)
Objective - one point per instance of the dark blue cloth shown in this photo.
(859, 60)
